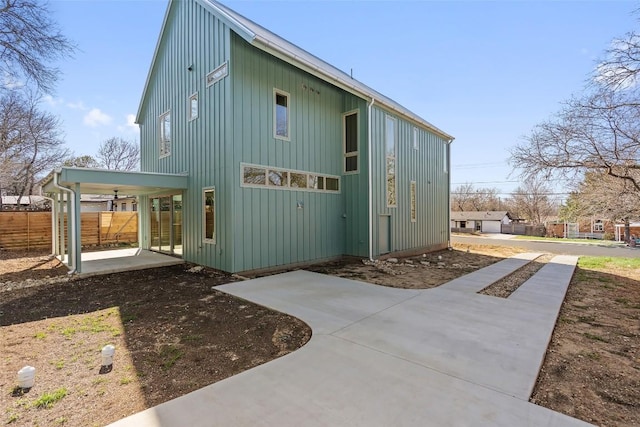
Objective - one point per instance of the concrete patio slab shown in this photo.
(383, 356)
(119, 260)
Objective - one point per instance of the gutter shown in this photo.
(370, 161)
(72, 222)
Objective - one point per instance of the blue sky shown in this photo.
(485, 72)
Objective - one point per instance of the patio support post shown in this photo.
(60, 229)
(77, 252)
(54, 225)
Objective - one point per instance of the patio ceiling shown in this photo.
(102, 181)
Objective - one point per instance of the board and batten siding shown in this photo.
(192, 38)
(269, 228)
(424, 165)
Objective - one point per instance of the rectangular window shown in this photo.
(298, 180)
(208, 216)
(134, 207)
(278, 178)
(445, 158)
(415, 138)
(193, 106)
(390, 144)
(285, 179)
(281, 114)
(598, 226)
(412, 198)
(123, 207)
(218, 74)
(351, 143)
(165, 134)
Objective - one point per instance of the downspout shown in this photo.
(448, 148)
(54, 237)
(370, 161)
(72, 218)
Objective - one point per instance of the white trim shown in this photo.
(189, 109)
(416, 138)
(267, 186)
(356, 153)
(217, 74)
(287, 95)
(211, 240)
(161, 139)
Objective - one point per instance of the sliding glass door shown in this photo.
(166, 224)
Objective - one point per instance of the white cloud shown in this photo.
(77, 106)
(131, 121)
(53, 102)
(10, 82)
(130, 126)
(95, 118)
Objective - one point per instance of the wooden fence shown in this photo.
(32, 230)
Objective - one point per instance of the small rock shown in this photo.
(393, 260)
(425, 263)
(408, 261)
(196, 269)
(441, 264)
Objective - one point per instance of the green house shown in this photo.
(287, 159)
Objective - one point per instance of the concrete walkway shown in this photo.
(382, 356)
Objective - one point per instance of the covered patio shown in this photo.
(65, 185)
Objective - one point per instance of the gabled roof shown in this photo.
(267, 41)
(480, 216)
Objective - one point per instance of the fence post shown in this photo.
(99, 228)
(28, 232)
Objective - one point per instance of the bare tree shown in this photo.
(604, 196)
(119, 154)
(467, 198)
(30, 42)
(30, 143)
(532, 201)
(598, 131)
(85, 161)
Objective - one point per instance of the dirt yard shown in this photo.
(175, 333)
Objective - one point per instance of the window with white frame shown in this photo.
(287, 179)
(415, 138)
(165, 134)
(390, 149)
(281, 122)
(193, 106)
(351, 142)
(413, 201)
(445, 157)
(598, 226)
(208, 215)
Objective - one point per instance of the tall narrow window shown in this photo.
(351, 143)
(415, 138)
(193, 106)
(445, 158)
(390, 144)
(208, 216)
(412, 198)
(281, 114)
(165, 134)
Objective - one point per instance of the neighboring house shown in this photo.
(256, 154)
(480, 221)
(582, 228)
(14, 203)
(124, 204)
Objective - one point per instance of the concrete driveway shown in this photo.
(383, 356)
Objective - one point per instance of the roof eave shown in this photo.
(290, 57)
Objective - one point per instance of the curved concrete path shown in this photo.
(382, 356)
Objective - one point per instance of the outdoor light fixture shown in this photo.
(115, 194)
(26, 377)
